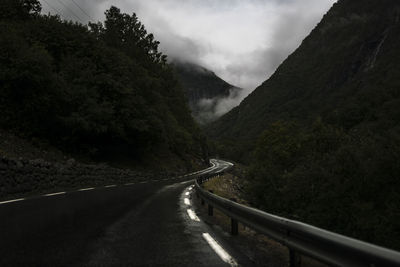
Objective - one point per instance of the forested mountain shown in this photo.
(99, 90)
(322, 134)
(203, 89)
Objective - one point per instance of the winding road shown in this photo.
(145, 224)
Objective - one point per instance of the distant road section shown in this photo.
(116, 225)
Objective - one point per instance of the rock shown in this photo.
(38, 162)
(71, 161)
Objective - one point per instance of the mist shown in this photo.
(243, 42)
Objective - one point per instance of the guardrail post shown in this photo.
(234, 223)
(210, 210)
(210, 207)
(202, 202)
(295, 258)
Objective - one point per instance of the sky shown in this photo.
(242, 41)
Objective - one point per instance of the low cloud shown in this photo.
(210, 109)
(243, 42)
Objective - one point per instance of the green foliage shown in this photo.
(19, 9)
(341, 171)
(92, 90)
(338, 181)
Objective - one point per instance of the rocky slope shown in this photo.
(30, 169)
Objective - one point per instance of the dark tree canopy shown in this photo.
(98, 90)
(19, 9)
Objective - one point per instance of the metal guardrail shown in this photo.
(300, 238)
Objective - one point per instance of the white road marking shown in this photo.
(192, 215)
(129, 184)
(86, 189)
(13, 200)
(143, 182)
(219, 250)
(109, 186)
(187, 193)
(54, 194)
(187, 201)
(187, 182)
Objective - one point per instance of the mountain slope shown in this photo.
(103, 91)
(203, 90)
(322, 135)
(345, 71)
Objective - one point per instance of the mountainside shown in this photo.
(322, 135)
(346, 71)
(203, 90)
(102, 91)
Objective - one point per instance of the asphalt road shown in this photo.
(144, 224)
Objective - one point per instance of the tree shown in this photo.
(19, 9)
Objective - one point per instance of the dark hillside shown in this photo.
(202, 84)
(322, 135)
(346, 71)
(97, 91)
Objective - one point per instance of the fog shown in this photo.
(242, 41)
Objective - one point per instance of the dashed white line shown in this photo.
(192, 215)
(143, 182)
(13, 200)
(186, 201)
(129, 184)
(219, 250)
(86, 189)
(187, 193)
(54, 194)
(109, 186)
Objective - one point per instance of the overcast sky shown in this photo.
(242, 41)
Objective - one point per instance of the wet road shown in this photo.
(144, 224)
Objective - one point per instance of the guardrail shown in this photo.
(300, 238)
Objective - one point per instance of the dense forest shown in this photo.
(101, 89)
(322, 135)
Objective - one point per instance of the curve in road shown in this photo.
(143, 224)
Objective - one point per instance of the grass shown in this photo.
(259, 248)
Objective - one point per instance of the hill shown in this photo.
(322, 135)
(102, 91)
(204, 90)
(345, 71)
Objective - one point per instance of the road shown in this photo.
(144, 224)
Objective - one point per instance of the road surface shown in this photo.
(143, 224)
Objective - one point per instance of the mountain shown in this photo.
(322, 135)
(345, 71)
(204, 90)
(103, 90)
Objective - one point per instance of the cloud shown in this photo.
(210, 109)
(242, 41)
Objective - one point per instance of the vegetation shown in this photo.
(102, 89)
(327, 125)
(200, 85)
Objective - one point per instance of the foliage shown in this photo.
(96, 90)
(343, 182)
(341, 170)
